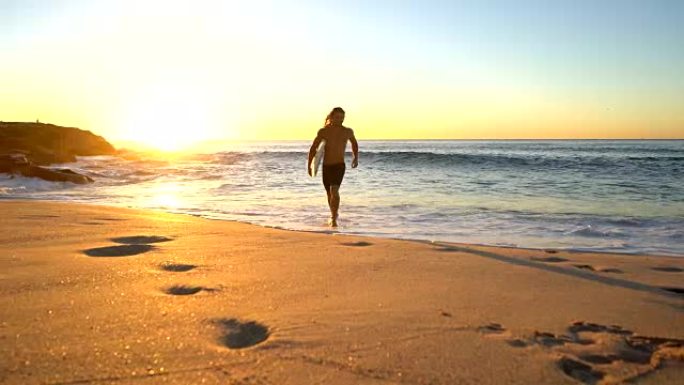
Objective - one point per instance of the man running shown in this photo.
(336, 137)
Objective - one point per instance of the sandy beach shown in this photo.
(95, 294)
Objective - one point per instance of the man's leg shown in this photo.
(327, 191)
(334, 201)
(332, 179)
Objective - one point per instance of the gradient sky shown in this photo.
(174, 72)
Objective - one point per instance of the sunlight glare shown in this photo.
(171, 117)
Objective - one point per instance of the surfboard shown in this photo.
(317, 159)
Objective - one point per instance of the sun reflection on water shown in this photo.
(167, 196)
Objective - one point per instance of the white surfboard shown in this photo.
(317, 159)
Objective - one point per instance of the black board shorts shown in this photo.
(333, 174)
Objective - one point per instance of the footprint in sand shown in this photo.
(236, 334)
(517, 343)
(668, 269)
(581, 326)
(118, 251)
(549, 339)
(590, 352)
(599, 359)
(177, 267)
(356, 244)
(580, 371)
(186, 289)
(493, 330)
(132, 245)
(599, 269)
(675, 290)
(140, 239)
(549, 259)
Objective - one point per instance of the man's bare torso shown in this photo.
(336, 139)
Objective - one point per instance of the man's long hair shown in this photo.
(327, 118)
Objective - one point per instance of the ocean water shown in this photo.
(621, 196)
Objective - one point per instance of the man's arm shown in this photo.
(312, 150)
(355, 149)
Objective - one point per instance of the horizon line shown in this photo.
(449, 139)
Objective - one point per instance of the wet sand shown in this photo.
(94, 294)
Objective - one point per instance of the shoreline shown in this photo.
(101, 294)
(337, 233)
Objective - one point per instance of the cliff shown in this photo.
(48, 143)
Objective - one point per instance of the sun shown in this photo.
(171, 117)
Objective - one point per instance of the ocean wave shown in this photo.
(539, 160)
(453, 159)
(592, 232)
(18, 186)
(657, 158)
(629, 222)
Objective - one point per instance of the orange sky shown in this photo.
(169, 74)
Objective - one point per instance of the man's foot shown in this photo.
(332, 222)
